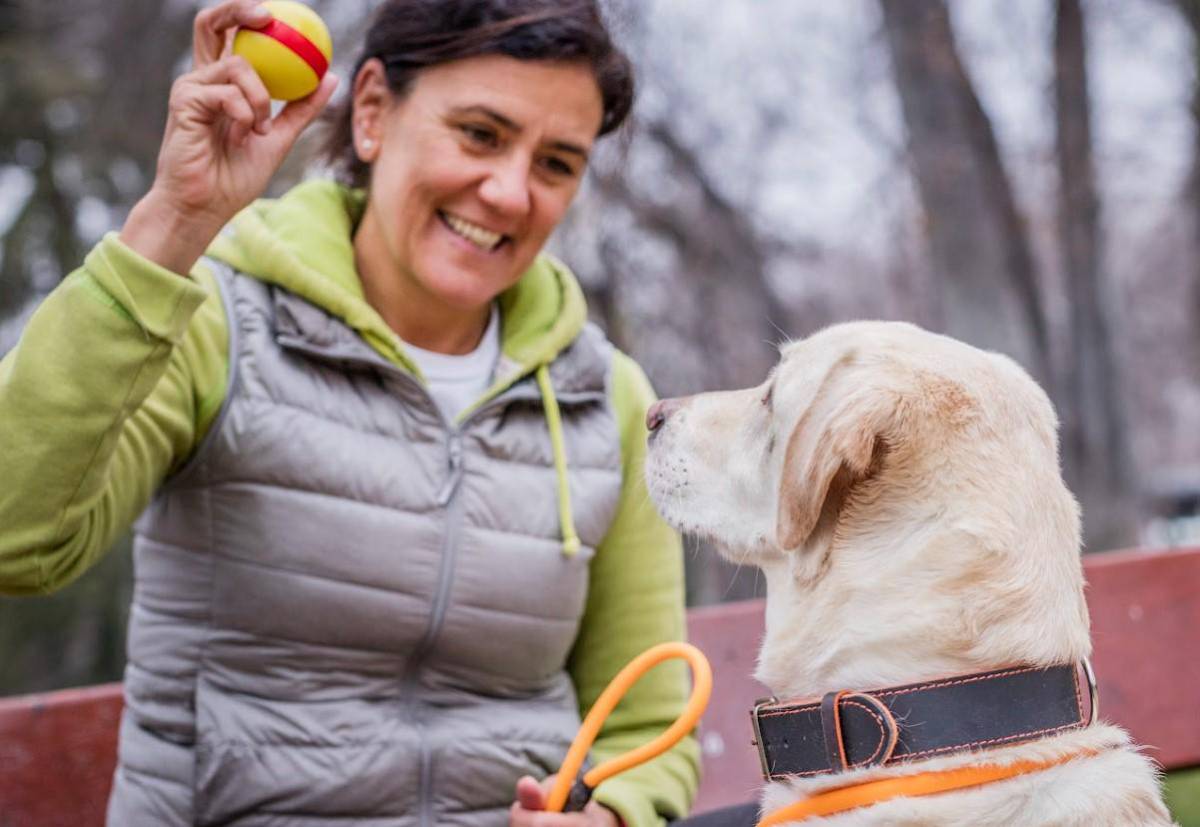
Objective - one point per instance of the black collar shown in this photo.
(850, 729)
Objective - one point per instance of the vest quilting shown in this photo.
(346, 608)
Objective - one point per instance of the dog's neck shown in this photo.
(909, 605)
(829, 647)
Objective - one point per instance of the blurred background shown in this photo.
(1022, 174)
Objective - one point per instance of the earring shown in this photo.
(367, 144)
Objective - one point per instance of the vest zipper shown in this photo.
(454, 471)
(446, 499)
(437, 614)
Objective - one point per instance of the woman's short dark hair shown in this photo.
(410, 35)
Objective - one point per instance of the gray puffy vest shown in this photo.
(346, 610)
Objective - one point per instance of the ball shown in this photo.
(291, 53)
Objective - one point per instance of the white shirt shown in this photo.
(456, 381)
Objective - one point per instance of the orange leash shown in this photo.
(612, 694)
(842, 799)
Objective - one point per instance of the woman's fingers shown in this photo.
(213, 26)
(291, 120)
(230, 88)
(530, 794)
(212, 101)
(236, 72)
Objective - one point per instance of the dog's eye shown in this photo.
(769, 397)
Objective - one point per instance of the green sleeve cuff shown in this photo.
(159, 301)
(629, 802)
(658, 791)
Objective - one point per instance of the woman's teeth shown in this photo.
(484, 239)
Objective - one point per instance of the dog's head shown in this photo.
(887, 473)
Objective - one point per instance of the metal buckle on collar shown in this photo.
(758, 739)
(1093, 692)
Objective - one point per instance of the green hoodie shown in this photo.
(122, 370)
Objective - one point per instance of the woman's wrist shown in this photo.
(171, 238)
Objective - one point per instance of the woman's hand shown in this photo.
(528, 809)
(220, 147)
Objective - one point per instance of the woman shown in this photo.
(395, 536)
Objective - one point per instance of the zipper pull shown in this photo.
(455, 465)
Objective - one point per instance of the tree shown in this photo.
(980, 255)
(1190, 11)
(1095, 441)
(92, 94)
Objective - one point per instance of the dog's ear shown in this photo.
(832, 447)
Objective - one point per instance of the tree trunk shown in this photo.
(1095, 441)
(1190, 9)
(980, 255)
(720, 303)
(698, 317)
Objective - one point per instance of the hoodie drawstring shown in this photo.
(570, 541)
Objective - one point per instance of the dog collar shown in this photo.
(850, 729)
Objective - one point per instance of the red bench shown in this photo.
(57, 750)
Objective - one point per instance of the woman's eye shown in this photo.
(480, 134)
(558, 166)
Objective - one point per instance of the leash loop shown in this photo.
(580, 790)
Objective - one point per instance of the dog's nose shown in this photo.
(659, 411)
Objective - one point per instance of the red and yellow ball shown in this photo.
(291, 54)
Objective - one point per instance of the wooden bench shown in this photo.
(57, 750)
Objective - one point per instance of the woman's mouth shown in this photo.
(484, 239)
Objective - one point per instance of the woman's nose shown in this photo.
(506, 189)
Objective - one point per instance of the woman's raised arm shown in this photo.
(220, 147)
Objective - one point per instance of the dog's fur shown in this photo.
(901, 492)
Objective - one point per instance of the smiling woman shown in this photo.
(471, 170)
(470, 126)
(396, 538)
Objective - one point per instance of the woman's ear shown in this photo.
(370, 98)
(831, 448)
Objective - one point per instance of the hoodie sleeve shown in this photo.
(636, 600)
(110, 387)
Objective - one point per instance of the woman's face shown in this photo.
(472, 169)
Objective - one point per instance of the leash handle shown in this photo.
(581, 791)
